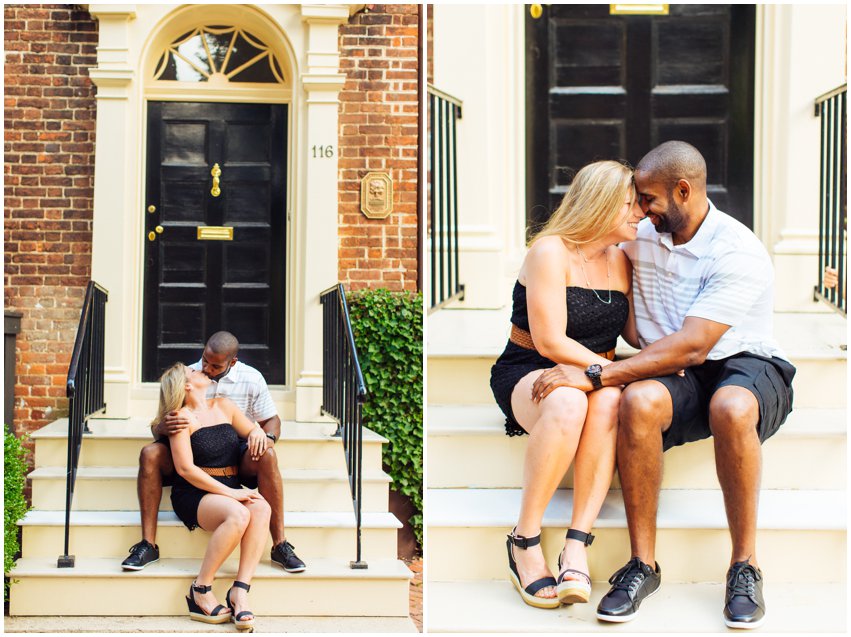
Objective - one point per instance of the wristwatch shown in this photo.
(593, 372)
(272, 438)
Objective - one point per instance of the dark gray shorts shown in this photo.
(768, 379)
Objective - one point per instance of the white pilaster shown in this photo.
(317, 228)
(114, 79)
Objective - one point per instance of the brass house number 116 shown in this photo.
(323, 152)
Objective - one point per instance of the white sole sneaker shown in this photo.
(745, 625)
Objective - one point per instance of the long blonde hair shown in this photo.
(592, 203)
(172, 391)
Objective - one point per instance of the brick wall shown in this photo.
(48, 176)
(378, 132)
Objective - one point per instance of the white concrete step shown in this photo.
(803, 607)
(118, 442)
(98, 586)
(114, 489)
(111, 534)
(463, 344)
(467, 447)
(467, 528)
(182, 624)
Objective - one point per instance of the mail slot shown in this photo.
(215, 233)
(638, 9)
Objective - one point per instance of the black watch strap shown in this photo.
(594, 373)
(272, 438)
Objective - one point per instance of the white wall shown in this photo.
(478, 58)
(801, 55)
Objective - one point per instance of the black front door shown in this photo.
(602, 86)
(214, 252)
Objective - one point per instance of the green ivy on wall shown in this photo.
(14, 503)
(388, 330)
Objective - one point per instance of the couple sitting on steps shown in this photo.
(215, 432)
(692, 287)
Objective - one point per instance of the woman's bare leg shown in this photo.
(227, 520)
(554, 427)
(592, 471)
(250, 550)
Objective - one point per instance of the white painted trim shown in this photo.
(131, 40)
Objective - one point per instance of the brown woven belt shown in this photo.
(221, 472)
(522, 338)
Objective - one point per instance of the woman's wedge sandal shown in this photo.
(528, 594)
(574, 591)
(246, 625)
(220, 614)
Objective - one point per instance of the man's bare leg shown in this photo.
(733, 416)
(270, 486)
(154, 462)
(645, 412)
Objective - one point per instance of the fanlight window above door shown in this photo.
(219, 54)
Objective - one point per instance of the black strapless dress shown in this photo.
(214, 446)
(590, 322)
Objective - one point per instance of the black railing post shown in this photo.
(833, 197)
(84, 389)
(343, 394)
(443, 228)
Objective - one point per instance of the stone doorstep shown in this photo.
(779, 509)
(182, 624)
(295, 519)
(494, 606)
(98, 585)
(136, 428)
(488, 420)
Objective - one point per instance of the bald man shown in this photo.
(258, 469)
(703, 298)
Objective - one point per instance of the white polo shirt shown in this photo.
(723, 274)
(246, 387)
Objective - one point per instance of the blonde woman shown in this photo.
(571, 301)
(207, 492)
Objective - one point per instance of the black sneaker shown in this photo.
(284, 555)
(744, 606)
(141, 555)
(632, 584)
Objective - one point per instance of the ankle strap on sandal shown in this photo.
(585, 538)
(202, 588)
(243, 585)
(524, 542)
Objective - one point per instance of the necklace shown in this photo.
(588, 282)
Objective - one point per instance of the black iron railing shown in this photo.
(84, 389)
(833, 199)
(344, 392)
(446, 285)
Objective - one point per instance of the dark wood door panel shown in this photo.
(195, 287)
(612, 87)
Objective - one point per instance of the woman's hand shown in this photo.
(245, 495)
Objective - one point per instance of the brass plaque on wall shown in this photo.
(376, 195)
(638, 9)
(215, 233)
